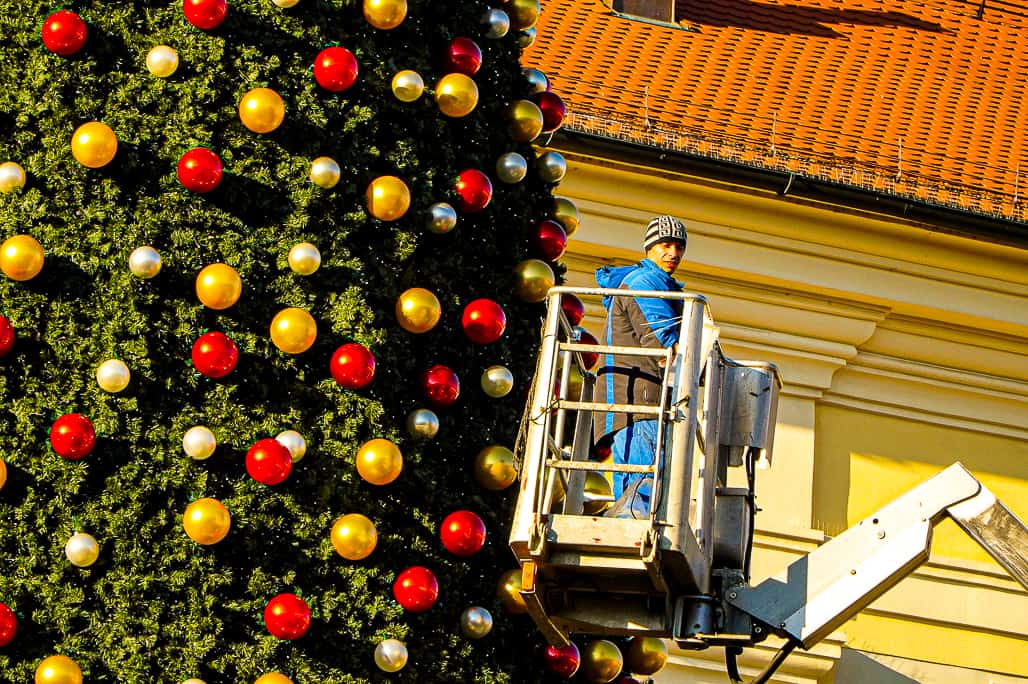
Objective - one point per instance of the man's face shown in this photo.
(666, 254)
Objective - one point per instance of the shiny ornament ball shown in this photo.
(483, 321)
(269, 462)
(215, 354)
(601, 662)
(422, 423)
(474, 191)
(497, 381)
(218, 286)
(390, 655)
(527, 37)
(325, 172)
(566, 213)
(442, 218)
(524, 120)
(456, 95)
(494, 468)
(94, 144)
(562, 661)
(285, 3)
(589, 358)
(388, 198)
(416, 589)
(262, 110)
(206, 521)
(645, 655)
(12, 177)
(627, 679)
(7, 336)
(385, 14)
(352, 365)
(82, 550)
(58, 669)
(354, 536)
(548, 240)
(551, 166)
(407, 85)
(273, 678)
(293, 330)
(418, 310)
(553, 109)
(441, 385)
(597, 493)
(379, 461)
(21, 257)
(8, 624)
(144, 262)
(462, 533)
(199, 170)
(497, 23)
(199, 443)
(162, 61)
(205, 14)
(335, 69)
(476, 622)
(532, 280)
(573, 308)
(3, 479)
(294, 441)
(194, 681)
(511, 168)
(463, 56)
(287, 616)
(72, 436)
(524, 14)
(508, 591)
(537, 81)
(113, 375)
(304, 258)
(64, 33)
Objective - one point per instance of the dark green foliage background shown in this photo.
(156, 607)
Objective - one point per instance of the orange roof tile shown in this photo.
(920, 98)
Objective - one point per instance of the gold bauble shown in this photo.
(285, 3)
(533, 278)
(645, 655)
(294, 441)
(218, 286)
(575, 382)
(508, 591)
(408, 85)
(388, 198)
(597, 494)
(325, 172)
(113, 375)
(418, 310)
(145, 262)
(162, 61)
(494, 467)
(262, 110)
(94, 144)
(391, 655)
(385, 14)
(199, 442)
(565, 211)
(194, 681)
(12, 176)
(524, 120)
(601, 662)
(21, 257)
(293, 330)
(3, 473)
(379, 461)
(523, 14)
(354, 536)
(456, 95)
(206, 521)
(58, 669)
(82, 549)
(304, 258)
(497, 381)
(273, 678)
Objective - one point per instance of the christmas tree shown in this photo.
(272, 274)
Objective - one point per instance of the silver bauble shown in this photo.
(113, 375)
(162, 61)
(12, 176)
(537, 81)
(82, 550)
(476, 622)
(511, 167)
(442, 218)
(294, 441)
(325, 172)
(390, 655)
(497, 381)
(144, 262)
(551, 166)
(304, 258)
(497, 22)
(199, 443)
(422, 423)
(526, 37)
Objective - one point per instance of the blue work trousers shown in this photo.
(636, 444)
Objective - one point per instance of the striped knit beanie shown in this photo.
(664, 228)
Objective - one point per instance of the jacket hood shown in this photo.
(612, 277)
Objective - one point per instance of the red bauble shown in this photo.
(287, 616)
(589, 358)
(474, 191)
(6, 336)
(562, 662)
(416, 589)
(463, 55)
(214, 354)
(462, 533)
(72, 436)
(549, 240)
(573, 308)
(442, 386)
(553, 109)
(335, 69)
(199, 170)
(483, 321)
(64, 33)
(8, 624)
(353, 366)
(205, 14)
(269, 462)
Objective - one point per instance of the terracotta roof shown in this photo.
(915, 98)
